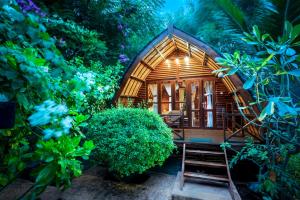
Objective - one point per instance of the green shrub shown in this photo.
(130, 140)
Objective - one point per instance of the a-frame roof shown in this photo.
(158, 50)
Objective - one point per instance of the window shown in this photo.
(166, 98)
(152, 97)
(180, 96)
(195, 103)
(208, 104)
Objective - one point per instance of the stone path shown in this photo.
(93, 186)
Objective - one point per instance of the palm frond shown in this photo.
(234, 12)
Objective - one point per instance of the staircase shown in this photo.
(206, 164)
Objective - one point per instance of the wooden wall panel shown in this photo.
(183, 70)
(222, 99)
(141, 96)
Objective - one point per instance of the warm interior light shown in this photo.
(177, 61)
(186, 60)
(168, 63)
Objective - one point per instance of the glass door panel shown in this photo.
(208, 104)
(195, 104)
(180, 97)
(166, 98)
(196, 119)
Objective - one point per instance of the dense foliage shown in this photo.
(273, 77)
(124, 26)
(55, 94)
(59, 64)
(130, 140)
(230, 18)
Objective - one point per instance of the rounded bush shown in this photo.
(130, 140)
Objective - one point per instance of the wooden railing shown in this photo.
(232, 189)
(235, 124)
(176, 125)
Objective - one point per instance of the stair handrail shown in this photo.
(232, 189)
(241, 127)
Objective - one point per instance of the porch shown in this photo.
(235, 130)
(209, 136)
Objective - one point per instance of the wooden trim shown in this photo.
(137, 79)
(147, 65)
(214, 105)
(188, 102)
(128, 96)
(201, 112)
(204, 59)
(159, 97)
(189, 49)
(174, 42)
(173, 94)
(161, 55)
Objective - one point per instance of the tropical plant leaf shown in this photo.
(249, 83)
(236, 14)
(295, 72)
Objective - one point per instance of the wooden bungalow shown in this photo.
(174, 76)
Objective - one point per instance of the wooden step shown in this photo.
(191, 151)
(204, 163)
(206, 176)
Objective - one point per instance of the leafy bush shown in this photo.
(75, 40)
(130, 140)
(34, 72)
(59, 161)
(273, 77)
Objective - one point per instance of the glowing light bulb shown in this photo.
(168, 63)
(186, 60)
(177, 61)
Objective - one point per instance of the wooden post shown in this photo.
(182, 167)
(232, 119)
(223, 120)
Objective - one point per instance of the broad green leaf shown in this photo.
(232, 71)
(267, 60)
(268, 110)
(283, 109)
(219, 59)
(46, 175)
(220, 70)
(236, 55)
(249, 83)
(295, 72)
(256, 32)
(22, 100)
(265, 36)
(290, 52)
(14, 14)
(296, 31)
(236, 14)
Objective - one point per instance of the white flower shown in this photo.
(48, 133)
(67, 123)
(57, 134)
